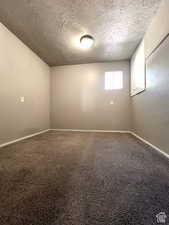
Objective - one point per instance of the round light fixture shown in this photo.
(87, 41)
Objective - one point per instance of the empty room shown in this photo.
(84, 112)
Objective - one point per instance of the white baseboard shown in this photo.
(23, 138)
(151, 145)
(97, 131)
(118, 131)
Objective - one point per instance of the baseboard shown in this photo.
(97, 131)
(151, 145)
(23, 138)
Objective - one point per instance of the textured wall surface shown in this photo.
(79, 100)
(151, 108)
(22, 74)
(53, 28)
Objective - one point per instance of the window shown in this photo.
(113, 80)
(138, 71)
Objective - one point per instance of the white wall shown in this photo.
(79, 100)
(158, 29)
(22, 73)
(150, 109)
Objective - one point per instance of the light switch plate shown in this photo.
(22, 99)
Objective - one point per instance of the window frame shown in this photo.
(135, 69)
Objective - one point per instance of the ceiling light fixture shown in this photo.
(87, 41)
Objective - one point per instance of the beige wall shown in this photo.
(77, 96)
(22, 73)
(79, 101)
(158, 29)
(150, 109)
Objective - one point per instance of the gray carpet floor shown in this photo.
(60, 178)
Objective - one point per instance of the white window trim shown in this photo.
(134, 69)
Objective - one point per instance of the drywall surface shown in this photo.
(151, 108)
(158, 29)
(22, 74)
(79, 100)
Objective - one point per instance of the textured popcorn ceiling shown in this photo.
(52, 28)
